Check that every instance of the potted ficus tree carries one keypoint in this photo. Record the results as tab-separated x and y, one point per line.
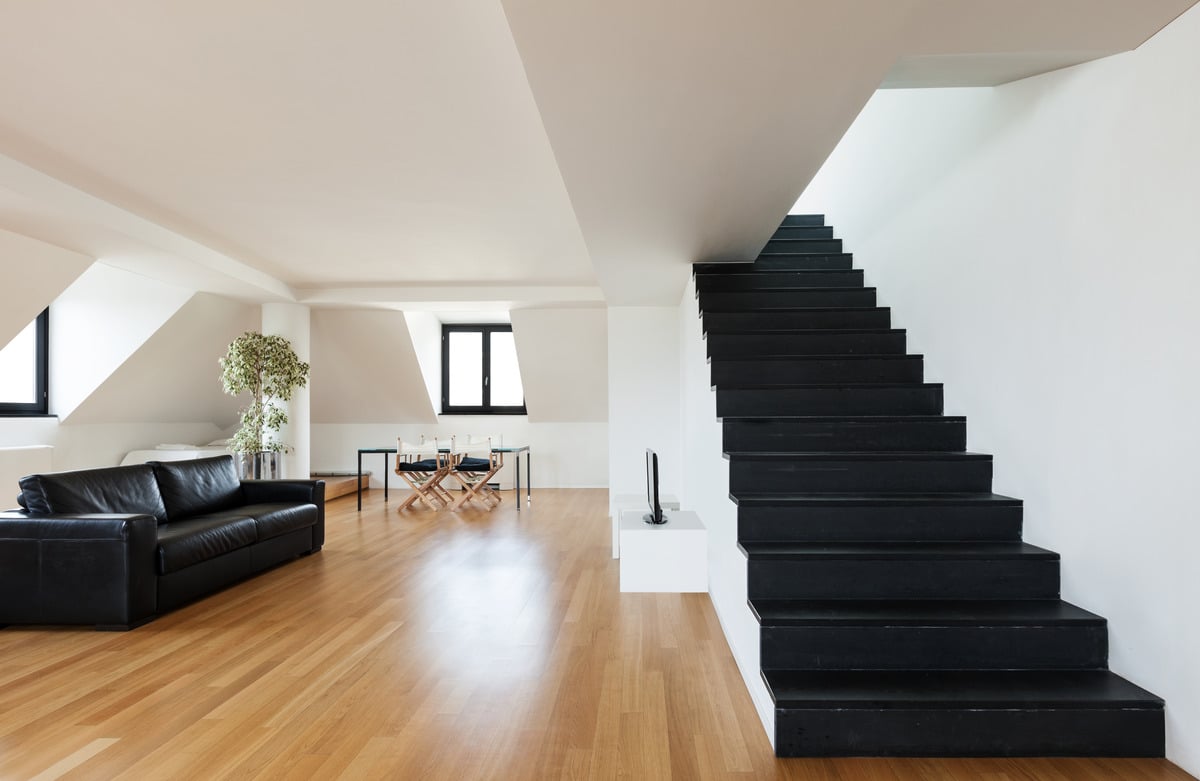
269	370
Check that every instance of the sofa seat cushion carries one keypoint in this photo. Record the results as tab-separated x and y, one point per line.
191	541
198	486
277	519
121	489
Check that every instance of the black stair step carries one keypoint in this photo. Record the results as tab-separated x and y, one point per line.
804	219
834	261
777	280
944	517
893	570
840	472
1030	634
792	298
834	400
803	232
811	341
801	246
959	713
853	433
817	370
791	319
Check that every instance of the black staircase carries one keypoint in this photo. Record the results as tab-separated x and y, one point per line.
900	612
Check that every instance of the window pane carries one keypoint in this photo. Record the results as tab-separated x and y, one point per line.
466	369
18	367
507	390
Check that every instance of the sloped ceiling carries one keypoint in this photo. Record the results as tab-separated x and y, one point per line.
563	355
370	152
174	376
27	293
365	370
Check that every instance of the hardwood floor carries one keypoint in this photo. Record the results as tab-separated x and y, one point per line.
432	646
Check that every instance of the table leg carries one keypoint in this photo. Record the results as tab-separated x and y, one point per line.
385	476
359	483
528	480
517	493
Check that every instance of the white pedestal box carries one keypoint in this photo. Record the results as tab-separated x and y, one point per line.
672	557
623	502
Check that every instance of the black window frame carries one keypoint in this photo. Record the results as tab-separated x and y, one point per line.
41	406
487	408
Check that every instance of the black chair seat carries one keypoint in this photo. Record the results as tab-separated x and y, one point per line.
427	465
474	465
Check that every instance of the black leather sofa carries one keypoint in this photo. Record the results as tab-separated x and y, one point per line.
116	547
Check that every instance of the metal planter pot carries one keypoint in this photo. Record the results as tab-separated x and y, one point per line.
263	465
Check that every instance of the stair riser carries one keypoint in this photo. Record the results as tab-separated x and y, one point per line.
816	343
771	280
915	400
903	579
1032	732
838	261
934	648
816	372
782	262
715	322
792	246
748	301
832	476
862	435
898	524
804	219
804	232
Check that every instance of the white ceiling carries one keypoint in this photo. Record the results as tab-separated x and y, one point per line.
381	153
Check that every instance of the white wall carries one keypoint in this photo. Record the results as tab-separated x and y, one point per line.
643	398
562	455
563	356
364	368
425	330
705	489
171	377
34	273
294	323
1039	242
97	323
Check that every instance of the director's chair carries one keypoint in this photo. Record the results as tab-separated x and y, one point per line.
424	466
474	472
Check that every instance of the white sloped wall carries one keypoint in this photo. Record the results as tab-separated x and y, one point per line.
1039	242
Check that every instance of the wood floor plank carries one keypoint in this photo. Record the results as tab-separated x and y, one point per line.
427	645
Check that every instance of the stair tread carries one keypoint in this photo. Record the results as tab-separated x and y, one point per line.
759	499
811	331
790	385
851	455
784	310
822	357
848	418
956	689
757	274
1007	612
766	309
895	550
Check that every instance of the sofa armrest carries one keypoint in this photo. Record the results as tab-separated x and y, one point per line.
78	569
294	491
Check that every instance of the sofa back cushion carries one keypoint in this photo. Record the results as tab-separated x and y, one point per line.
196	487
119	489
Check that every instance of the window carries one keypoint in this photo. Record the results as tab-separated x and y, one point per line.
480	375
23	370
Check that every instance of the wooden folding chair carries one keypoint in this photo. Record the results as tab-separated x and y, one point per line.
423	467
473	472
